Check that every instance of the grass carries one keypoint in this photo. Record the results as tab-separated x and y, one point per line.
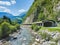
51	28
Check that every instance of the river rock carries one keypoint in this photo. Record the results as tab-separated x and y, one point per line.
48	43
37	40
56	36
58	42
23	44
24	39
0	43
35	43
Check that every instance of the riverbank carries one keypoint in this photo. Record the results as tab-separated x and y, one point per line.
45	37
23	38
30	37
6	41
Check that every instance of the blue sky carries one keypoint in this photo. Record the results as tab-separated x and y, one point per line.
15	7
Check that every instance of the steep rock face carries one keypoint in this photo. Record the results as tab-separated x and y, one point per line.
29	19
45	10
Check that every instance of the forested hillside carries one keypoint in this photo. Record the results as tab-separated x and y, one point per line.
45	10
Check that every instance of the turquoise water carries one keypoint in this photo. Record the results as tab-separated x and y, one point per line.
24	38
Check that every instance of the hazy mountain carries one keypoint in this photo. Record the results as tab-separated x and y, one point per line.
6	14
11	16
18	18
21	15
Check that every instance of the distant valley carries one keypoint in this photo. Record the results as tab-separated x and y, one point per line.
19	18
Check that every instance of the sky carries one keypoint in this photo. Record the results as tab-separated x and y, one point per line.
15	7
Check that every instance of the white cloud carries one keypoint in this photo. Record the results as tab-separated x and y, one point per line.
4	9
13	1
7	10
21	11
7	2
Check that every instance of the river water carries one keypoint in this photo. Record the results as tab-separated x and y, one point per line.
25	38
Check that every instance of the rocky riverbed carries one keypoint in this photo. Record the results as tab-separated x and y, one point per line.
24	37
44	37
29	37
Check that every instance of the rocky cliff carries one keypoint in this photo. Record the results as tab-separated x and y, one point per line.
45	10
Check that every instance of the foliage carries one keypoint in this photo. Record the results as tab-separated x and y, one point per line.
42	17
1	20
13	29
52	29
44	10
6	19
14	23
5	29
45	36
0	33
7	26
35	27
17	26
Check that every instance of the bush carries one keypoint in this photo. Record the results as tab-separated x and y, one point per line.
5	29
14	23
0	33
35	27
17	26
13	29
32	27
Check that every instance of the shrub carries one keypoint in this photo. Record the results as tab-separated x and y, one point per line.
0	33
32	27
12	29
17	26
7	26
14	23
5	29
5	18
35	27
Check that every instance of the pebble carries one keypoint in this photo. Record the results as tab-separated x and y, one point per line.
37	40
24	39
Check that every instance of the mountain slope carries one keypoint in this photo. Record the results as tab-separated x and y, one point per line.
44	10
20	18
22	15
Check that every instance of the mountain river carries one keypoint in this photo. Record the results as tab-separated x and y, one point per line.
25	38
